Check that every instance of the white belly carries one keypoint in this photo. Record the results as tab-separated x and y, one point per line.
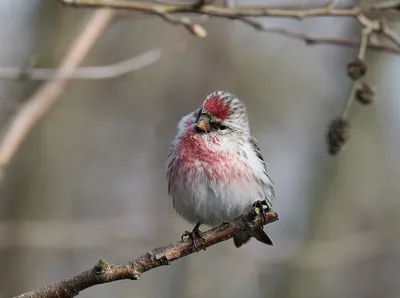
200	198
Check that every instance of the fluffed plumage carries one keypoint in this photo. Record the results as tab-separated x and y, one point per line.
215	167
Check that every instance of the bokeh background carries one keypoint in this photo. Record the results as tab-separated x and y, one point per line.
89	181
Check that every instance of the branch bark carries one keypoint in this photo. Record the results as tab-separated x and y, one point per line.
235	12
103	272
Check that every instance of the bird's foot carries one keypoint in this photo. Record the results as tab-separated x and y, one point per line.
195	233
263	207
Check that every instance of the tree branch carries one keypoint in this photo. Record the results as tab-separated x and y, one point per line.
390	34
103	272
95	72
166	9
314	40
365	34
339	129
236	12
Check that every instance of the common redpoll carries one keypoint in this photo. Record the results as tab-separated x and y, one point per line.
215	168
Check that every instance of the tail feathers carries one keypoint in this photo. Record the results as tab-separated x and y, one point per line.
261	236
244	237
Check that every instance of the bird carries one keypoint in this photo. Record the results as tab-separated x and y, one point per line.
215	169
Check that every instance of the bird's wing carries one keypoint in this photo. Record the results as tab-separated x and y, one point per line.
170	162
256	148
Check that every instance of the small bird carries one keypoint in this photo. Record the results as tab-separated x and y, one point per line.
215	169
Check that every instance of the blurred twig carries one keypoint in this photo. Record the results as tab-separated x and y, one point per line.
194	28
104	273
365	34
390	34
339	129
166	9
314	40
95	72
41	101
236	12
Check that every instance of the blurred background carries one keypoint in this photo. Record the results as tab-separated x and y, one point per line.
89	181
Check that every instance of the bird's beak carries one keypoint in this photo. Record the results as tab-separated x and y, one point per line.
203	125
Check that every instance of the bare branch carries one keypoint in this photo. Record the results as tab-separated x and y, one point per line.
365	34
41	102
102	272
236	12
165	10
95	72
390	4
390	34
339	129
314	40
194	28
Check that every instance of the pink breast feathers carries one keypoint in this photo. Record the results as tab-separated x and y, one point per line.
217	107
195	157
192	147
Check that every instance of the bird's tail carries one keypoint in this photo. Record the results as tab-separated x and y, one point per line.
244	237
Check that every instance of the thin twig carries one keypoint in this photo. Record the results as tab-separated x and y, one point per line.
102	272
95	72
236	12
165	10
390	34
339	128
361	55
194	28
391	4
314	40
42	100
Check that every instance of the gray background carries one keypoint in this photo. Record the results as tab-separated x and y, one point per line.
89	181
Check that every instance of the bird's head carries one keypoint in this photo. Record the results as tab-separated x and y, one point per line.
222	114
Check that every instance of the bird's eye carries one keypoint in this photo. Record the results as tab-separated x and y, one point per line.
222	127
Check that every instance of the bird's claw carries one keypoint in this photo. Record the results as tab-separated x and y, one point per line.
195	233
263	206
